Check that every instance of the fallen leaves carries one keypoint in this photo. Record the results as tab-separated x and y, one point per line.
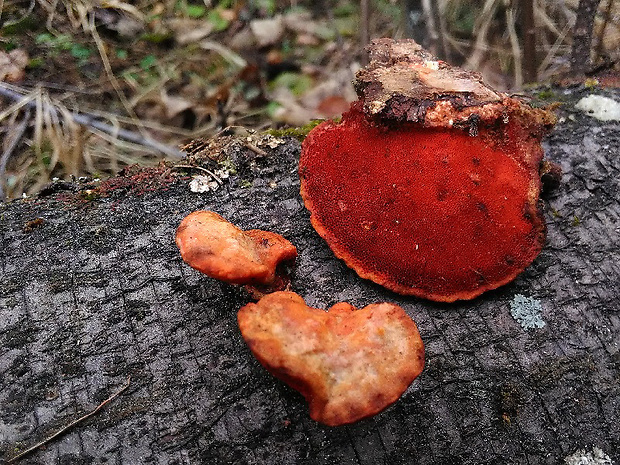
13	65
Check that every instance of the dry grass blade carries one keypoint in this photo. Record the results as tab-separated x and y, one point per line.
18	134
517	55
481	29
66	428
60	138
543	69
110	74
224	52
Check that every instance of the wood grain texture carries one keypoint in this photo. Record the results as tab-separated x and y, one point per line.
97	292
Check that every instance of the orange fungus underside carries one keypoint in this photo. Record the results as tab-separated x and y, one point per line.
430	212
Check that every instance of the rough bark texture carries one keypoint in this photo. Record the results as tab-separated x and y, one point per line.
96	291
582	36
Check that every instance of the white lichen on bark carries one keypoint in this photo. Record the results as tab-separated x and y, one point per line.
527	311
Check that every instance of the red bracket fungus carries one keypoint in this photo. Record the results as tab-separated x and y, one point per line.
222	251
430	183
349	364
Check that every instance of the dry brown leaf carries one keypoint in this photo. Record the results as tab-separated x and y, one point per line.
267	31
300	23
13	65
174	105
188	30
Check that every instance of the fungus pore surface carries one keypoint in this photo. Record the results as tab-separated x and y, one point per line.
434	195
348	363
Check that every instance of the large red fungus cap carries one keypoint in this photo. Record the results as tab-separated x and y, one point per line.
348	363
429	185
222	251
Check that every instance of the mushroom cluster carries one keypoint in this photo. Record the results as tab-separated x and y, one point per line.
429	186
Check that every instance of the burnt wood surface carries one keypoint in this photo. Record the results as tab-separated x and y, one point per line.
95	292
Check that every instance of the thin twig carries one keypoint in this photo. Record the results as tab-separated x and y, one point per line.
209	172
481	28
21	129
91	121
364	26
255	149
71	425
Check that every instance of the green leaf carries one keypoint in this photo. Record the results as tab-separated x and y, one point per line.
148	61
219	24
45	38
9	45
80	52
36	62
297	83
344	9
268	6
22	25
121	54
272	108
195	11
156	37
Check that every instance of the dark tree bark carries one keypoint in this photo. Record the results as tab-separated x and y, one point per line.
530	61
582	37
96	291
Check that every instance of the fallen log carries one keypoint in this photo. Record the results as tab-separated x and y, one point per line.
93	290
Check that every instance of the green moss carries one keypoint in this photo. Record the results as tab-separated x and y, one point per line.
546	94
576	221
591	83
298	133
228	165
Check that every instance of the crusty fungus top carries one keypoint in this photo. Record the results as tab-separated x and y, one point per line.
222	251
430	184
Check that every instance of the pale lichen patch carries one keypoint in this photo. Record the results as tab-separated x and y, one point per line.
527	311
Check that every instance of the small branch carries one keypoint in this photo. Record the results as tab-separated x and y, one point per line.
255	149
516	48
70	425
530	63
89	120
364	26
200	168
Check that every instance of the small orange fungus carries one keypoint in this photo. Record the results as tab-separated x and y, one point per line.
349	364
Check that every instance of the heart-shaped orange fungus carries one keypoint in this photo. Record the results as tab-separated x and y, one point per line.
348	363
